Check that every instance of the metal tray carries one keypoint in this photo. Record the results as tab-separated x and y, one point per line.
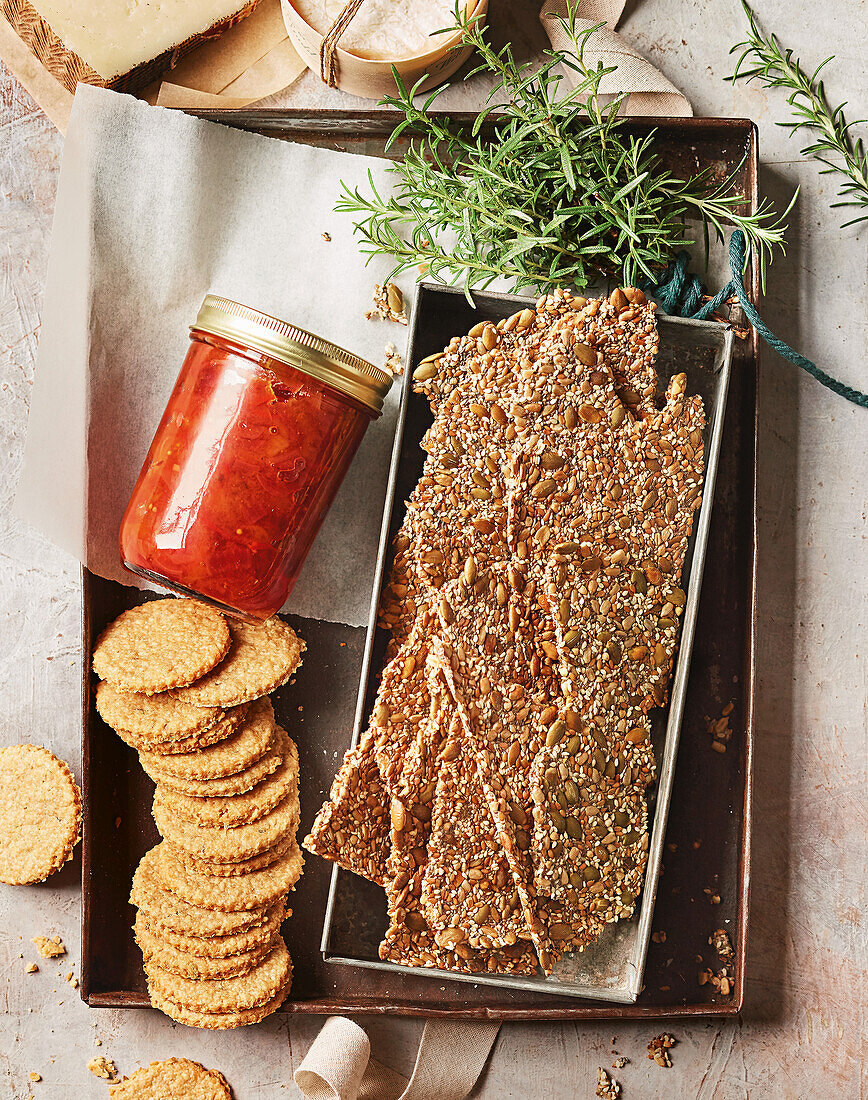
611	969
708	832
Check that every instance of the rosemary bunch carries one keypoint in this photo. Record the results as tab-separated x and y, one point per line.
558	196
777	68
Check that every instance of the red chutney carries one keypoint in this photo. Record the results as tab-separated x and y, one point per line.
247	459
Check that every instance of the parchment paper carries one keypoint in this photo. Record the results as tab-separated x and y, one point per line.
154	210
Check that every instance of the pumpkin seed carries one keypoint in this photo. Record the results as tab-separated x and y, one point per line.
585	354
426	370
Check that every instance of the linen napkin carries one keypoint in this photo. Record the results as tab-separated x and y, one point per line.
450	1059
650	93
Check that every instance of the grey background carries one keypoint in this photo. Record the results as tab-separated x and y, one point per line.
801	1032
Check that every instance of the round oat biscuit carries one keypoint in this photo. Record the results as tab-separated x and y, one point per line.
262	657
217	947
230	893
165	909
40	814
159	952
238	809
226	785
257	987
174	1079
216	844
211	735
161	644
159	717
218	1021
242	866
249	742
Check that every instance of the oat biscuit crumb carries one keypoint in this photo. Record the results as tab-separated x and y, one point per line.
326	237
659	937
658	1049
620	1062
103	1067
35	1076
32	968
607	1087
720	941
49	948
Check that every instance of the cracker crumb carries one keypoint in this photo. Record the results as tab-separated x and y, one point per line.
394	363
388	305
712	895
719	729
658	1049
49	948
607	1087
35	1076
97	1042
326	236
620	1061
659	937
32	968
102	1067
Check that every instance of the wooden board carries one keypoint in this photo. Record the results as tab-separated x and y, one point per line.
709	821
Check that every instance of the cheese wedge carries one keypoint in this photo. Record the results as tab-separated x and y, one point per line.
118	43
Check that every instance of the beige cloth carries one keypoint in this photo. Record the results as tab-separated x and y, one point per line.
650	93
451	1055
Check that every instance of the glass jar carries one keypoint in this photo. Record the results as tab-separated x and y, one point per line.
258	433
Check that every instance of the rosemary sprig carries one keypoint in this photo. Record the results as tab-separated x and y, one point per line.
776	67
559	196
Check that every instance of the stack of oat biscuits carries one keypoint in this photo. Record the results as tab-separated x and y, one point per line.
534	605
188	689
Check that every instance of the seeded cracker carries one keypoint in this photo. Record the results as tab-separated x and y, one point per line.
165	909
160	645
158	717
468	885
251	739
215	844
409	939
402	709
495	673
157	952
238	809
261	658
257	987
216	947
172	1080
40	814
351	829
229	893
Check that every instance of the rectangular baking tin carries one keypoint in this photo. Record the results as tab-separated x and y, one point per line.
613	968
708	836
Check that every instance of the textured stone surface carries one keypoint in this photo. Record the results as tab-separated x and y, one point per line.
801	1032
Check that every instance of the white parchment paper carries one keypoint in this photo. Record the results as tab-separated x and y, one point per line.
154	210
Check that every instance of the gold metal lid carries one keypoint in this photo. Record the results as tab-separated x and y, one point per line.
326	362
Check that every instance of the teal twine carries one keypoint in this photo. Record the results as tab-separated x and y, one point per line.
681	293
